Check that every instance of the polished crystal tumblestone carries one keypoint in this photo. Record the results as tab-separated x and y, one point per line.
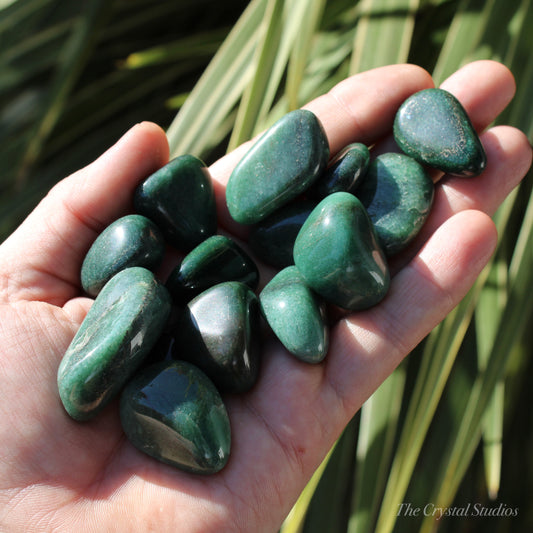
219	331
173	412
397	193
180	199
272	239
344	173
118	332
296	315
283	163
132	240
214	261
338	254
433	127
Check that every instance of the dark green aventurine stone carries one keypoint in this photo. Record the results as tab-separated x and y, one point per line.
120	329
344	173
132	240
180	199
284	162
214	261
432	127
219	332
173	412
296	315
338	254
397	193
272	239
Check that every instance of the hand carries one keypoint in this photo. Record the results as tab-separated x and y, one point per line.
60	475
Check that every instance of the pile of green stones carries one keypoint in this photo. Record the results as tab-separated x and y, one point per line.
168	351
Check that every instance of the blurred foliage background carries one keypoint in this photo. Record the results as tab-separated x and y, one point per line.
453	425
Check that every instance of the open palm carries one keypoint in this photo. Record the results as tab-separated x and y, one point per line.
60	475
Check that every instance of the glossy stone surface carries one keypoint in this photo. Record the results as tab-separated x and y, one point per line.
432	127
132	240
173	412
219	332
118	332
338	254
397	193
296	315
180	199
344	173
272	239
284	162
215	260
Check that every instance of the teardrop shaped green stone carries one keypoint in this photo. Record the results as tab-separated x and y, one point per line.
173	412
433	127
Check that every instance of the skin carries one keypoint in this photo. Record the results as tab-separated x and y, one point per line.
60	475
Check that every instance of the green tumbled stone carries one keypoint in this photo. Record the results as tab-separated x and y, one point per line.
118	332
173	412
214	261
296	315
130	241
344	173
397	193
272	239
284	162
180	199
219	332
432	127
338	254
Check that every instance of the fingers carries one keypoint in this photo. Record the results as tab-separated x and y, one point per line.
367	346
60	230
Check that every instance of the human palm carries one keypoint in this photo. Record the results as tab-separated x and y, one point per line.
60	475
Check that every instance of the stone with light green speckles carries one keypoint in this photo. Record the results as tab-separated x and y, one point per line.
296	315
118	332
338	254
283	163
397	193
173	412
433	127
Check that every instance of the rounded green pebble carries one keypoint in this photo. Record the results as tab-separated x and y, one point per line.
296	315
338	254
173	412
132	240
216	260
283	163
118	332
433	127
397	193
180	199
220	332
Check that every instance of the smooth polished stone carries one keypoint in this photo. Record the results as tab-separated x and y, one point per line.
397	193
296	315
283	163
132	240
180	199
173	412
272	239
118	332
344	173
219	332
214	261
338	254
432	127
